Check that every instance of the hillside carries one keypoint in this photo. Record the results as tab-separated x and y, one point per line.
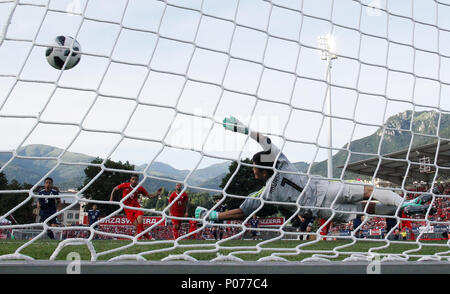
30	171
67	176
397	137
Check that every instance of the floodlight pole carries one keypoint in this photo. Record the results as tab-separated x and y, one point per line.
327	47
330	125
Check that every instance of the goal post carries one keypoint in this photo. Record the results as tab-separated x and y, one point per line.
153	85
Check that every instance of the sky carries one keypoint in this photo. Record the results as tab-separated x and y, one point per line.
165	74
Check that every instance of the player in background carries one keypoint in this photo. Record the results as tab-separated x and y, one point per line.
254	223
179	208
93	216
390	224
355	223
192	228
286	184
133	215
49	206
305	225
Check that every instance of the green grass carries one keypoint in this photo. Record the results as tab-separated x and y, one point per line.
42	250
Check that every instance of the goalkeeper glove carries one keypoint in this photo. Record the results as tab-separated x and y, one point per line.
201	211
233	124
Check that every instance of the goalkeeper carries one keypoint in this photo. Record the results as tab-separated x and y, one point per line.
317	195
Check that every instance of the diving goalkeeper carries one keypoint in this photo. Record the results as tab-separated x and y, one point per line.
317	194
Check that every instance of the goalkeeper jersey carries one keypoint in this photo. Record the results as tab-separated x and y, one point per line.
287	187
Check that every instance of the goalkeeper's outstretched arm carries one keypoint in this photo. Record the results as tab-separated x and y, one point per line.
233	214
247	207
233	124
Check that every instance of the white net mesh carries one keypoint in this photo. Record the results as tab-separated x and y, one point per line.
156	79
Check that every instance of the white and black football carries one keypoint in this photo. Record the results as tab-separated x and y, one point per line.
56	57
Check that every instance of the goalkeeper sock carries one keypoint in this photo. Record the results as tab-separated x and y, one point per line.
387	197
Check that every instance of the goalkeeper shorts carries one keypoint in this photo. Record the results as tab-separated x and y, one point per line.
347	202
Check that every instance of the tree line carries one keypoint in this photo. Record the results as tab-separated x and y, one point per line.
22	215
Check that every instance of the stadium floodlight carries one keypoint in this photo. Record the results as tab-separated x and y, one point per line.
327	45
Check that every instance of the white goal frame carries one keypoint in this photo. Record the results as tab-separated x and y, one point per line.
281	255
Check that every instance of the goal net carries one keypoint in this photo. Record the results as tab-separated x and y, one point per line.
352	92
24	234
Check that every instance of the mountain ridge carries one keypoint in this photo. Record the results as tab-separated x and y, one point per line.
32	170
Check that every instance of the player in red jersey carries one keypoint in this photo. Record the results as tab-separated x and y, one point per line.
178	209
193	227
134	216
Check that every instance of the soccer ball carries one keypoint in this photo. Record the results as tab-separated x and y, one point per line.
56	57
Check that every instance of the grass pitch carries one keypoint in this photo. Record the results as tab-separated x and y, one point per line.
248	250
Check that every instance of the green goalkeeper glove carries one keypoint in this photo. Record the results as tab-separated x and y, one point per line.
233	124
201	211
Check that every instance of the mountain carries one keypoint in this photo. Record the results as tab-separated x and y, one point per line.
68	176
206	176
200	177
302	166
397	136
213	183
161	169
31	170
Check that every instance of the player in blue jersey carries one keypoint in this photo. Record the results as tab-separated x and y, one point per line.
254	223
93	216
48	206
315	196
305	225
